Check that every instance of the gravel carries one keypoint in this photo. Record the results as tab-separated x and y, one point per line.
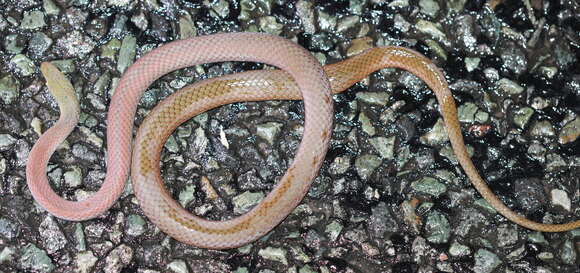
390	196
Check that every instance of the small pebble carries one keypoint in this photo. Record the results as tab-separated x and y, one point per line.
560	198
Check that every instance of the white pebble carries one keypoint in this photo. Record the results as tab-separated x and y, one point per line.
560	198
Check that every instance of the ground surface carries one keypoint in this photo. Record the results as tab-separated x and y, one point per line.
390	196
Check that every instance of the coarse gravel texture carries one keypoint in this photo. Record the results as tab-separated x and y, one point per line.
390	196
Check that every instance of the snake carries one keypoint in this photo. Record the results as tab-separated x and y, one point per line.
299	77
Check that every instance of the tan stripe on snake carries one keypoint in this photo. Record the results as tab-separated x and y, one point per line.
155	200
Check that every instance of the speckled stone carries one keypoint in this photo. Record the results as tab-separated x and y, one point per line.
136	225
50	7
358	46
381	222
378	98
79	237
270	25
9	89
429	7
178	266
340	165
126	53
23	64
471	63
140	20
9	229
510	87
347	22
269	131
366	124
74	44
2	165
429	185
85	261
305	11
7	254
437	227
32	20
13	44
333	230
522	116
39	43
437	135
187	28
53	238
118	258
466	112
35	259
109	49
326	21
241	270
507	235
432	30
245	201
560	198
366	165
568	253
118	3
6	142
401	24
570	131
458	250
514	59
384	146
274	254
486	261
542	129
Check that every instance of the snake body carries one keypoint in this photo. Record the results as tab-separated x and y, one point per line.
300	77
